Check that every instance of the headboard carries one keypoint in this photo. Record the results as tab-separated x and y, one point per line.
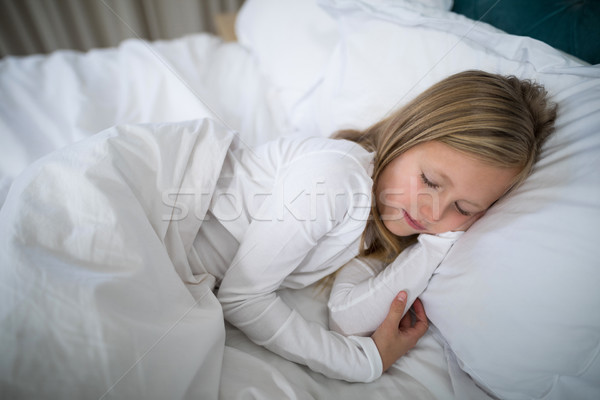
572	26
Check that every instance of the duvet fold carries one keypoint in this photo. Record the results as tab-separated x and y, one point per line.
97	296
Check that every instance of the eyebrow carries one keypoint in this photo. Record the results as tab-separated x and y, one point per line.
445	177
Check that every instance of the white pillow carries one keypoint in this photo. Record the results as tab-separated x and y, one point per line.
291	41
440	4
389	53
517	297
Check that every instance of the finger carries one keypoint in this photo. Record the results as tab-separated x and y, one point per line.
421	324
419	310
419	329
414	333
406	321
394	315
416	311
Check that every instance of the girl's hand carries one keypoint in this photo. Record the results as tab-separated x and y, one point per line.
397	335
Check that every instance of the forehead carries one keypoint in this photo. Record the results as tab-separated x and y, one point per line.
470	178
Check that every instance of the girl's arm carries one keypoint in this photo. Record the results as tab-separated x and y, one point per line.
364	288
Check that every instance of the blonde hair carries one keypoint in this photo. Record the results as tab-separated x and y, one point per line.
500	120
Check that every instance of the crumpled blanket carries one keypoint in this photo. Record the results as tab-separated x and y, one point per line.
97	299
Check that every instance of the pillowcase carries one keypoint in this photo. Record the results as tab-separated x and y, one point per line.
291	41
390	52
517	296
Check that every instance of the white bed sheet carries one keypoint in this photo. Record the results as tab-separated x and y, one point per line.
49	102
429	371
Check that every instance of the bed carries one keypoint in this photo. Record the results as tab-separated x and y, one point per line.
513	308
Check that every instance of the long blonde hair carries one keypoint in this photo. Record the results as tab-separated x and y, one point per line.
501	120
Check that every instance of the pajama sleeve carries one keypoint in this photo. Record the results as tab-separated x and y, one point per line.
364	288
289	224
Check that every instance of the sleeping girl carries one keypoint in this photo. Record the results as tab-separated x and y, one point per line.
293	211
99	250
440	163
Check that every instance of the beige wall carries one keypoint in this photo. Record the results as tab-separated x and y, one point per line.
41	26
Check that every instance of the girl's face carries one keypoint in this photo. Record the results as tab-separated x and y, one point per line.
432	188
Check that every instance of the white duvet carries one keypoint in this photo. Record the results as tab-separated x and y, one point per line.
49	101
97	296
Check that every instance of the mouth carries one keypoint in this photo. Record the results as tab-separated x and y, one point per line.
414	224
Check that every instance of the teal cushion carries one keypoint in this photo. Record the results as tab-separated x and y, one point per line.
572	26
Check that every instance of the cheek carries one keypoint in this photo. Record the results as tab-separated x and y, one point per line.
389	207
453	221
390	198
409	194
393	192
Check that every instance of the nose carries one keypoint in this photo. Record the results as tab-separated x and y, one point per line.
431	207
429	214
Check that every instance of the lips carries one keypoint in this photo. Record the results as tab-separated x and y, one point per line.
414	224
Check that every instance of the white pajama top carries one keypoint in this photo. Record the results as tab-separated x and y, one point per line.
287	214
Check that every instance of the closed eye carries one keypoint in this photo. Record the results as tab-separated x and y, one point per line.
432	185
428	182
461	211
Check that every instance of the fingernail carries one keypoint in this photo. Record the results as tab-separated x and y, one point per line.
402	296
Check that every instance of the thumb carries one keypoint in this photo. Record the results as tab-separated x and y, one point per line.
397	309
